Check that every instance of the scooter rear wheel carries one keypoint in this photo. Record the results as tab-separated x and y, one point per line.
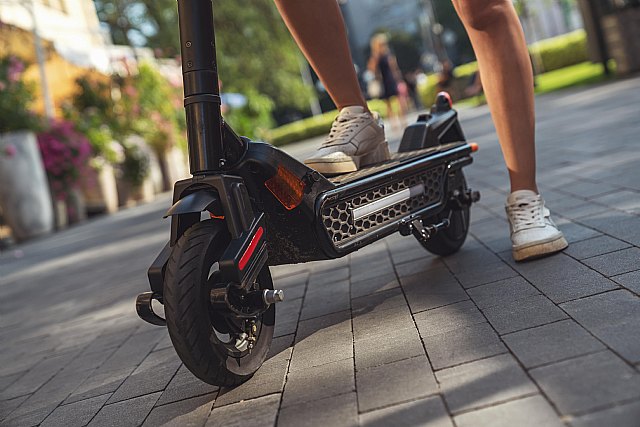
451	239
203	338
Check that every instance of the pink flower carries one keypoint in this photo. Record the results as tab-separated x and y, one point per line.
3	85
10	150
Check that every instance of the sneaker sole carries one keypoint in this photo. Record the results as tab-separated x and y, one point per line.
540	250
338	167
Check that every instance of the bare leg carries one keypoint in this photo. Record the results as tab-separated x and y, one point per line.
505	67
328	54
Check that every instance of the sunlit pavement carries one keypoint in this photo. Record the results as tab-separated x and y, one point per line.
388	336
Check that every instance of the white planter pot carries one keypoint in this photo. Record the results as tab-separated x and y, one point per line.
24	190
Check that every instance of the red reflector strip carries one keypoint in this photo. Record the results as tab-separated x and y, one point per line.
252	247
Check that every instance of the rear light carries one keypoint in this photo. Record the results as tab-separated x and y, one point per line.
474	146
286	187
246	256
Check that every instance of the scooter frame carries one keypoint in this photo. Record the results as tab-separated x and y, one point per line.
272	204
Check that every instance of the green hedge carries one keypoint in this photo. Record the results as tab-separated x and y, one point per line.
554	53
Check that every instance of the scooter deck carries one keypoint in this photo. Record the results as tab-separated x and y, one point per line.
371	203
396	160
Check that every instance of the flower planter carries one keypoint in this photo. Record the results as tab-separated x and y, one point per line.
24	192
100	190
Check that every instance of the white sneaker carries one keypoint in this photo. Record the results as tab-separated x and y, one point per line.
356	140
533	233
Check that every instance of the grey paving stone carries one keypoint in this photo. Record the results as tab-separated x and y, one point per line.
328	276
40	404
332	298
588	382
494	234
625	200
186	413
588	189
375	322
575	232
618	416
75	414
7	380
39	375
164	343
280	344
328	380
126	413
484	382
334	347
472	258
260	412
485	273
269	379
620	225
502	292
370	286
335	324
386	348
613	317
463	345
533	411
448	318
402	381
378	302
118	367
7	406
551	343
434	288
523	313
630	281
416	266
184	385
343	412
424	412
367	269
153	374
561	278
615	263
287	316
594	247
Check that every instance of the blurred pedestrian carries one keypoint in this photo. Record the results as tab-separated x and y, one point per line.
385	66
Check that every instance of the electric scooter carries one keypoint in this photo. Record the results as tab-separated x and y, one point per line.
249	206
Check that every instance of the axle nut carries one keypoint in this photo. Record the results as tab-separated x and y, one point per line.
273	296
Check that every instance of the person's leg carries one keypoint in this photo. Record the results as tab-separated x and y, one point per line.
319	30
357	136
507	78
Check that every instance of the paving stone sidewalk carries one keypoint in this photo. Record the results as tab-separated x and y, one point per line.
389	335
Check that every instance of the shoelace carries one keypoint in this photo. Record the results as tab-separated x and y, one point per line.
343	127
527	213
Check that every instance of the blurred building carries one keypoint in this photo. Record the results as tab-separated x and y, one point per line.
72	27
543	19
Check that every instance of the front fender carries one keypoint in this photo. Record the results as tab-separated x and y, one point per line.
195	202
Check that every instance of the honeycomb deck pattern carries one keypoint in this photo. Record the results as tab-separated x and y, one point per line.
338	216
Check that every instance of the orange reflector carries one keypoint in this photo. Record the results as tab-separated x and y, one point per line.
286	187
251	249
216	216
474	146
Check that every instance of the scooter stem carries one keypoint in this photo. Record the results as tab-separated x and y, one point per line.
201	87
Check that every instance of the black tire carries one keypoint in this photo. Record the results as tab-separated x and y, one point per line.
195	329
451	239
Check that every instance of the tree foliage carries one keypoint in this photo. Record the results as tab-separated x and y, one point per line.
256	54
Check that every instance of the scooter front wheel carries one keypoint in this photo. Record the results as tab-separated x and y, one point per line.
210	343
